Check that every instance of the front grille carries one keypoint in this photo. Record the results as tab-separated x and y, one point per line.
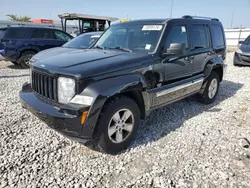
245	58
45	85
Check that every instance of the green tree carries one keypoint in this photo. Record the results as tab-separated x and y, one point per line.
13	17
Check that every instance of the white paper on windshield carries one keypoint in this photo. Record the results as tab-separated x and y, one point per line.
148	46
183	29
152	28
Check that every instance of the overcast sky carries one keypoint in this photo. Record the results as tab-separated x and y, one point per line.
134	9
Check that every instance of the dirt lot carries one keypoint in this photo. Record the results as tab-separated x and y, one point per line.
186	144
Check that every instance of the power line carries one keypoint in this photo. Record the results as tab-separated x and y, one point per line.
232	20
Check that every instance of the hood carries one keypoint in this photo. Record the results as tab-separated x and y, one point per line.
92	62
245	49
52	52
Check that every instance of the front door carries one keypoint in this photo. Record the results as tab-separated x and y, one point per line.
177	67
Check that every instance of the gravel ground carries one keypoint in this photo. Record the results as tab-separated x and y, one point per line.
186	144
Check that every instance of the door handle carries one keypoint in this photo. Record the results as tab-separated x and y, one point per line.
210	53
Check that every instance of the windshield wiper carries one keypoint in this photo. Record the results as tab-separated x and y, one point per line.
123	49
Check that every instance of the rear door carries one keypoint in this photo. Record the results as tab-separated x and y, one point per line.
13	40
200	46
44	38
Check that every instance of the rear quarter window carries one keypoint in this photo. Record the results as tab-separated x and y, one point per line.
2	32
217	36
17	33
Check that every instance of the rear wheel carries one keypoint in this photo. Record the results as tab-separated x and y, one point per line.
117	125
211	90
24	60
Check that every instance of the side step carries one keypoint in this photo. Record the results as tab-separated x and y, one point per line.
176	91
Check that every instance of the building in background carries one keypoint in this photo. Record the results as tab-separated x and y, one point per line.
43	21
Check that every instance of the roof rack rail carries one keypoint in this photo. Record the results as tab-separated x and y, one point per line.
199	17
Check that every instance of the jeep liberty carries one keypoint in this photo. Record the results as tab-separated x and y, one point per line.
100	94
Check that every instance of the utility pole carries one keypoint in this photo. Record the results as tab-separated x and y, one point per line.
171	8
232	20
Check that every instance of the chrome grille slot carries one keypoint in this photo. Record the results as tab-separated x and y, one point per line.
45	85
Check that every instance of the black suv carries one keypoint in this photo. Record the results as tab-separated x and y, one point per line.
100	95
19	43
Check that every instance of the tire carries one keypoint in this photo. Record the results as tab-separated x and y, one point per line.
110	143
14	62
25	57
211	90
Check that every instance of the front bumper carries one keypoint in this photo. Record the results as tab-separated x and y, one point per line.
66	119
240	59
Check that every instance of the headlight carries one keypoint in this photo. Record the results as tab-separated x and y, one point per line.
66	89
239	51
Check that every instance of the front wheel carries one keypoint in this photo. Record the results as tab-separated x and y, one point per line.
118	124
24	60
211	90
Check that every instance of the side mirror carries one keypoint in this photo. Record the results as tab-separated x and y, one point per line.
176	49
240	42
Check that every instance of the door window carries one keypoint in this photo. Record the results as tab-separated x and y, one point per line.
178	34
17	33
42	34
199	36
61	36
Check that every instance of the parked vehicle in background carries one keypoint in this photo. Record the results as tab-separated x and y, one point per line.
75	33
85	30
19	43
100	95
83	41
86	23
242	55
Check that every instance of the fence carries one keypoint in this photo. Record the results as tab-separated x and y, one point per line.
233	36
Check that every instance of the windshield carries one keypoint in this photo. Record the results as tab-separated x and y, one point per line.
80	42
136	38
247	41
